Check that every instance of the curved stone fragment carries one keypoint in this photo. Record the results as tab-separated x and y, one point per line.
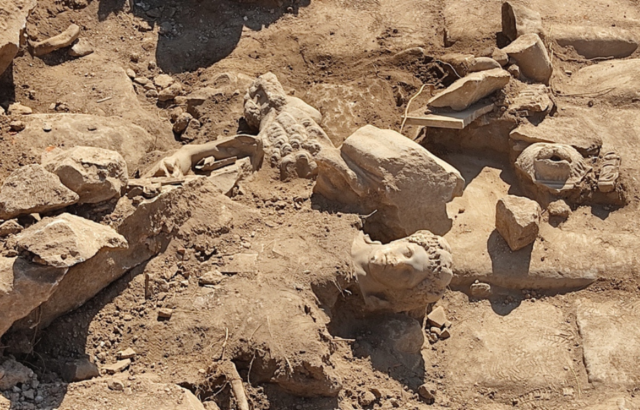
554	167
468	90
67	240
32	189
95	174
64	39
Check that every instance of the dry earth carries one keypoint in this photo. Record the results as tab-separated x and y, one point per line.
559	330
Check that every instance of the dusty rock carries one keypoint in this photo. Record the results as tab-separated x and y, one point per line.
515	72
437	317
480	290
116	385
533	99
19	109
370	161
32	189
518	20
67	240
71	130
212	277
95	174
483	64
130	73
97	395
596	42
467	90
532	57
404	334
518	220
10	227
367	398
17	126
170	92
163	81
181	122
559	209
78	370
13	373
13	19
64	39
81	48
445	334
126	354
428	391
576	130
165	313
117	367
616	81
23	287
500	56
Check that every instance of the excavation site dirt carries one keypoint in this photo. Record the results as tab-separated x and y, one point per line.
319	204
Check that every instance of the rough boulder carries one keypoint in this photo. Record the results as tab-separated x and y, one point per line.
13	18
518	221
32	189
95	174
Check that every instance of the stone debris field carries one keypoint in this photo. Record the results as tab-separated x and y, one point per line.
318	205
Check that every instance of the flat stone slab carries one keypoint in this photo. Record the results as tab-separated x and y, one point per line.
449	119
595	42
611	341
518	351
616	81
470	89
575	128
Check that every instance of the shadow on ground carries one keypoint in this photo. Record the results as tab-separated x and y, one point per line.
198	33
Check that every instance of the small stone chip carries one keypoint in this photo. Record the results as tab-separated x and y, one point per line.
437	317
165	313
117	367
126	354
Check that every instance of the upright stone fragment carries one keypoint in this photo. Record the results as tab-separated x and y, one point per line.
519	20
67	240
532	57
517	220
32	189
13	18
95	174
467	90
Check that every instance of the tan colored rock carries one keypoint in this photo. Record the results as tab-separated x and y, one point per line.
170	92
67	240
126	354
78	370
23	287
81	48
575	131
32	189
19	109
500	56
165	313
117	367
437	317
213	277
559	209
404	334
518	20
13	19
428	391
533	99
163	81
382	170
71	130
468	90
96	395
483	64
596	42
95	174
10	227
518	221
64	39
532	57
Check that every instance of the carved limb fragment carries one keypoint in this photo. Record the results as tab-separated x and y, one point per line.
180	163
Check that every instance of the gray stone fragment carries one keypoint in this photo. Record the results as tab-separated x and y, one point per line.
13	18
468	90
519	20
532	57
